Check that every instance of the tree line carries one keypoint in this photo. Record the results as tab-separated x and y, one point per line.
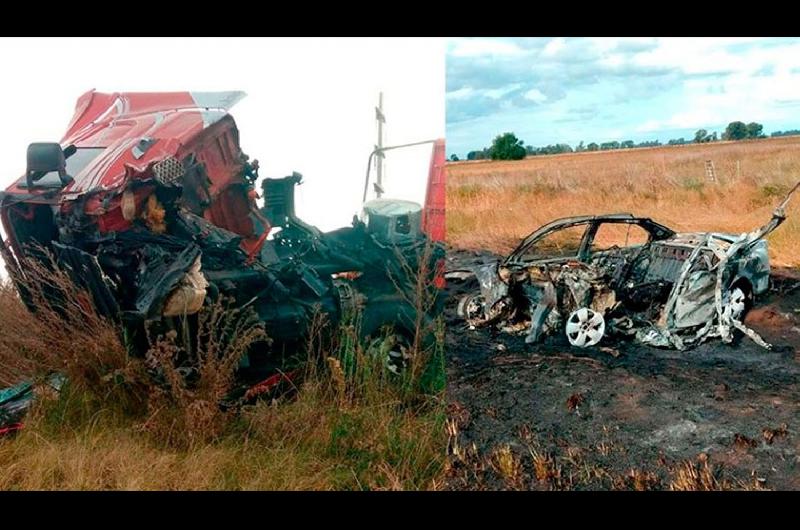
507	146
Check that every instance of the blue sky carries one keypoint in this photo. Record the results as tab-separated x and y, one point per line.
551	90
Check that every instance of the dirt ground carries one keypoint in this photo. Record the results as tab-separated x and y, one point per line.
621	415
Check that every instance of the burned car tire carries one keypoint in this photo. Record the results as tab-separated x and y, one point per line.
471	308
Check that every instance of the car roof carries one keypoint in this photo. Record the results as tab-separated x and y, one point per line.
579	219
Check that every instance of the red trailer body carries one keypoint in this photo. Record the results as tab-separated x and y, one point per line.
433	214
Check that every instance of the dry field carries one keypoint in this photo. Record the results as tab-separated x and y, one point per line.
492	205
548	416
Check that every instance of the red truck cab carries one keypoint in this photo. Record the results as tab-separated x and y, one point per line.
116	143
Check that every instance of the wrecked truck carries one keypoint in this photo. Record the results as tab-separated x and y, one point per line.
150	205
594	276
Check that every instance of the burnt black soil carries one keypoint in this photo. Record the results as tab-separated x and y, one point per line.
622	415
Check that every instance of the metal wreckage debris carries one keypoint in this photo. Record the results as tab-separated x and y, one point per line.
670	290
150	205
16	400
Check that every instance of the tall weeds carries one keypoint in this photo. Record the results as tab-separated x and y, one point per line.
64	334
157	422
188	409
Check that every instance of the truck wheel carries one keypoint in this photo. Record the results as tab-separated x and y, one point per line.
399	354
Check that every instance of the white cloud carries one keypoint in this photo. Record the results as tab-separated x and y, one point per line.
700	55
462	93
535	95
613	60
497	93
467	92
745	98
554	46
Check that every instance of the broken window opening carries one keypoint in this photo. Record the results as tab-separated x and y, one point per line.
559	244
618	235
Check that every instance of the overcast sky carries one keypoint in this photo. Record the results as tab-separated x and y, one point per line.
309	108
564	90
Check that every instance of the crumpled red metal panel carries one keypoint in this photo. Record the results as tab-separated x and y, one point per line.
433	214
99	106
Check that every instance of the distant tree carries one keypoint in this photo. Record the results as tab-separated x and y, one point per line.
701	136
713	137
507	146
627	144
755	130
580	147
454	157
736	130
676	141
592	147
651	143
792	132
609	145
482	154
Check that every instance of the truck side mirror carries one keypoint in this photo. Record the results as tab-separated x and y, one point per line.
43	158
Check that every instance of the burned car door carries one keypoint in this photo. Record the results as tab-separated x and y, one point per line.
532	270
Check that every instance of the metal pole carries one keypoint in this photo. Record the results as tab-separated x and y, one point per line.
380	152
379	147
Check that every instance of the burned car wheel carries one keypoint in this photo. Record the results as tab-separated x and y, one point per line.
739	301
471	308
585	327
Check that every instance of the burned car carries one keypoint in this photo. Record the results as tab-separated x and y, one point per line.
150	204
617	274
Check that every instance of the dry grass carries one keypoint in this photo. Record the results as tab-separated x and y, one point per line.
65	335
349	425
566	466
508	465
643	480
492	205
307	443
697	476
